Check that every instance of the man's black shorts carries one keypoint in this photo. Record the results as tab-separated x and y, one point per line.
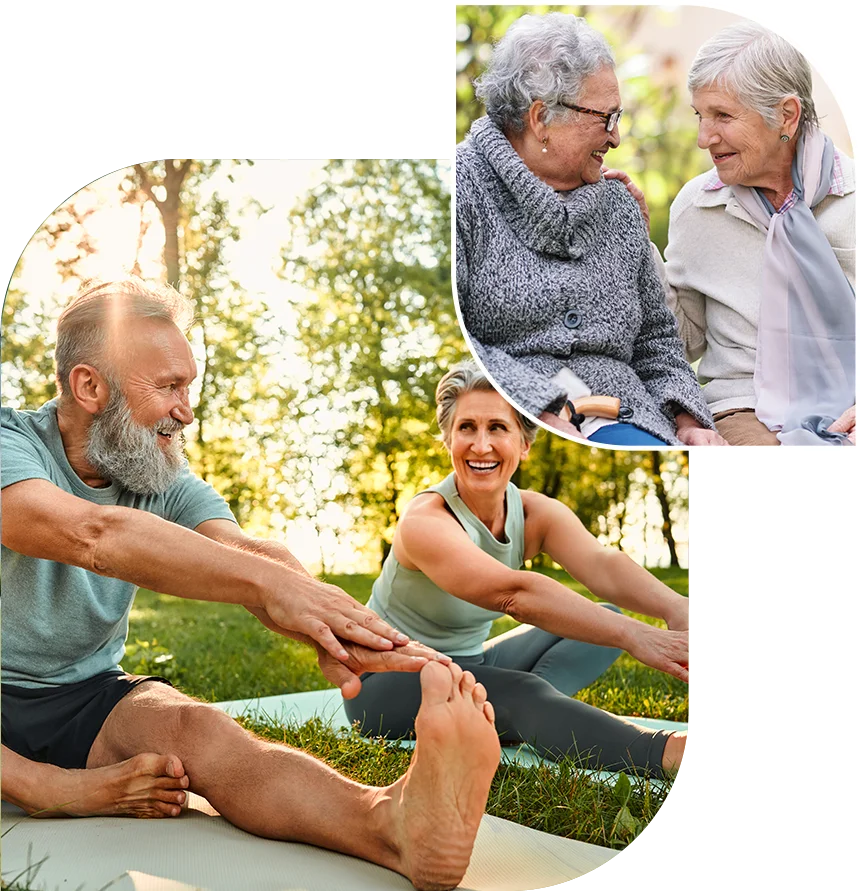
59	724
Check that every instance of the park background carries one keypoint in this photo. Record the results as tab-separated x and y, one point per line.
324	320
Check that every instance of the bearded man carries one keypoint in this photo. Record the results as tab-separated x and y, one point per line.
98	499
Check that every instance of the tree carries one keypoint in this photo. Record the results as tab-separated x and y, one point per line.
371	244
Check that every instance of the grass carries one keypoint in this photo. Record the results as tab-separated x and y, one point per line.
220	652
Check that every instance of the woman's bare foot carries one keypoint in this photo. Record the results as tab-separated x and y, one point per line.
674	751
439	802
147	785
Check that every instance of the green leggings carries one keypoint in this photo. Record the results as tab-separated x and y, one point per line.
530	676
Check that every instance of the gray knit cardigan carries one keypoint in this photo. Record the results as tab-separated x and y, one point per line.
545	282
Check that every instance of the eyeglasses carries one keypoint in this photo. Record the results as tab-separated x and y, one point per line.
610	118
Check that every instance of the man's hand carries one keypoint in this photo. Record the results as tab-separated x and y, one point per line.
634	190
692	433
345	675
327	615
665	650
411	656
845	423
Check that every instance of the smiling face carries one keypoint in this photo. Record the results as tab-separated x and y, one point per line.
577	144
485	441
136	440
744	149
156	368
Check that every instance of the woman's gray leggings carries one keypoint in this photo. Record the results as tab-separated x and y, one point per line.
530	676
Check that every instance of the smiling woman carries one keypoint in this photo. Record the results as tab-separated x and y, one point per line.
760	262
555	278
456	565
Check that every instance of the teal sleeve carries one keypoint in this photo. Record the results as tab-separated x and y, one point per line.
191	501
21	459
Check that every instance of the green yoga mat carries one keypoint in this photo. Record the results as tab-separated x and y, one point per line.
327	705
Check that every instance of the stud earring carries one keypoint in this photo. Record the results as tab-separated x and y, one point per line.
544	145
785	137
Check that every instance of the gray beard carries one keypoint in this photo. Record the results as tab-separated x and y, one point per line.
125	453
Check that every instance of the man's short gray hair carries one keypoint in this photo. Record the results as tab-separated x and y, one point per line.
544	57
99	311
467	378
759	68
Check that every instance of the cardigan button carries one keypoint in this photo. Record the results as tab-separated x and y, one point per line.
625	412
572	319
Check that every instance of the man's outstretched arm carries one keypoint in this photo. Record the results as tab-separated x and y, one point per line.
345	675
153	553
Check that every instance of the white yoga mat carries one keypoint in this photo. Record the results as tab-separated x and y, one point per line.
199	850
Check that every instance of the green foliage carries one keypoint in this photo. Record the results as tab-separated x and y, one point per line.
371	244
658	129
28	359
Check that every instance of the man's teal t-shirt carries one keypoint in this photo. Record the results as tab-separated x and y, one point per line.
63	624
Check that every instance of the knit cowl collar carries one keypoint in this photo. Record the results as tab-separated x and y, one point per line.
534	211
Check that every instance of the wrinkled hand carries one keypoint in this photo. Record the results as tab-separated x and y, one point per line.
328	616
845	424
665	650
557	423
633	189
345	675
691	432
411	656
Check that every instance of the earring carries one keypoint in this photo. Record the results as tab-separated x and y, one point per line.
544	144
785	137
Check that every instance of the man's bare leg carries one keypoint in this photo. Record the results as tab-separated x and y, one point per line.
422	826
147	785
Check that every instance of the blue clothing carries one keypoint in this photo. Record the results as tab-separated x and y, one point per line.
63	624
624	434
409	600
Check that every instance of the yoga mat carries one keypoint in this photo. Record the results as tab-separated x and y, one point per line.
200	850
328	706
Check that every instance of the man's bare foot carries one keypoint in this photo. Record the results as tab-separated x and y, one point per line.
674	751
147	785
439	802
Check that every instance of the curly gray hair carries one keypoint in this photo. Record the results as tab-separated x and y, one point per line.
758	67
97	312
544	57
467	378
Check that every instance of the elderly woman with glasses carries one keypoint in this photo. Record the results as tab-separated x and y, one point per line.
760	262
555	279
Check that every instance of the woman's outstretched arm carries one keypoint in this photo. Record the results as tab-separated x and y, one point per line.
432	541
607	573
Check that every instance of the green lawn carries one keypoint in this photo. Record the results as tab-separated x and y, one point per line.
218	652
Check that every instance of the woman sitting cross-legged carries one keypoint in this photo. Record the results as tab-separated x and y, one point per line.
455	566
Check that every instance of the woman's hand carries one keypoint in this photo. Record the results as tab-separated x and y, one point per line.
557	423
665	650
633	189
692	433
678	618
410	657
845	424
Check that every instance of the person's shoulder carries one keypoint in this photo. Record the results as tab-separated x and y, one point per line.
623	210
25	420
690	192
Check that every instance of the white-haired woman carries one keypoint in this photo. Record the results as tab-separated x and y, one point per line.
555	278
760	260
455	566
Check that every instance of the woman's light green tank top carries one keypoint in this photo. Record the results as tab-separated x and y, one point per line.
407	599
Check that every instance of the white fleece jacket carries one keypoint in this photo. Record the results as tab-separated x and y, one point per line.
712	276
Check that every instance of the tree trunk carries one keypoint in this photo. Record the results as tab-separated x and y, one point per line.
664	507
